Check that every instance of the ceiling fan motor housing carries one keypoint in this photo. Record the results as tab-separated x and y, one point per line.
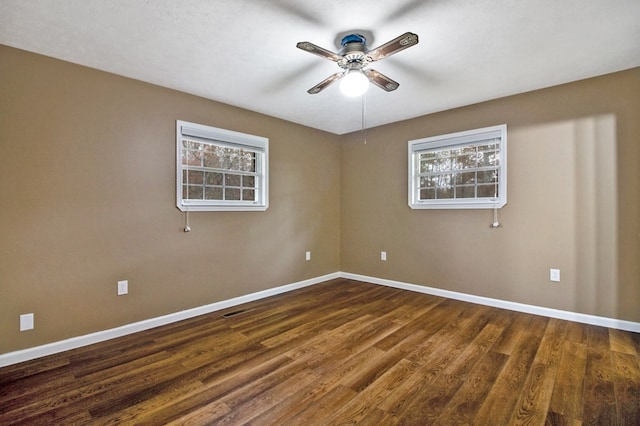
353	38
353	52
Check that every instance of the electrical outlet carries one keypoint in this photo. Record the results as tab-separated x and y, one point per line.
554	275
307	255
383	255
26	322
123	287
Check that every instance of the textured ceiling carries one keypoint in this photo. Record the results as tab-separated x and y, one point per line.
242	52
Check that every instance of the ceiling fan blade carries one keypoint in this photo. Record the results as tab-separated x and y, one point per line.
297	12
325	83
381	80
394	46
317	50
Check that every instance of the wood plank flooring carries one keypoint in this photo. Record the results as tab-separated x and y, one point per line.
341	352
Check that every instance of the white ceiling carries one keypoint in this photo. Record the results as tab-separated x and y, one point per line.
242	52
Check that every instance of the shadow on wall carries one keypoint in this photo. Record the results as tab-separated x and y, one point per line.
563	206
596	215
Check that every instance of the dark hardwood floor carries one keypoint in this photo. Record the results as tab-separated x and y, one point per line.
342	352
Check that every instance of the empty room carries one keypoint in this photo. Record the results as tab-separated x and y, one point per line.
320	213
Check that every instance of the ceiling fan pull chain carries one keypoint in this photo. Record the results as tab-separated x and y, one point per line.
364	112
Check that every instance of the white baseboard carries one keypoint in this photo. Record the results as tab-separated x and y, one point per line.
100	336
504	304
89	339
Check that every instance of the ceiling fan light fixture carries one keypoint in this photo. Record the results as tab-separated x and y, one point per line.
354	83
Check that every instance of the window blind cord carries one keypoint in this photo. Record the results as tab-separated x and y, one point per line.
187	226
495	223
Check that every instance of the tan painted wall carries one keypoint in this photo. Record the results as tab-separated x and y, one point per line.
573	203
87	183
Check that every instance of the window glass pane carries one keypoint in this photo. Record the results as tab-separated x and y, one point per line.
191	158
232	194
444	192
234	159
486	159
465	178
194	192
427	155
427	181
426	166
467	150
248	194
494	158
232	180
213	193
466	161
187	144
488	176
442	164
444	181
194	177
486	147
214	178
428	194
467	191
248	162
213	159
249	181
487	191
225	162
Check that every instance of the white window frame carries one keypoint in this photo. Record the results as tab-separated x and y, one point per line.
226	138
454	141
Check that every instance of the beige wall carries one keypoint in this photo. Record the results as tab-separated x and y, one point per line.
573	203
87	183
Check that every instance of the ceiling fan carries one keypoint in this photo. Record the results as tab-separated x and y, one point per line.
354	57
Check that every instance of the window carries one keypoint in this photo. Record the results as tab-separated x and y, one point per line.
465	170
219	169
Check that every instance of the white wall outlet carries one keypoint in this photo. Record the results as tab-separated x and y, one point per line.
123	287
554	275
307	255
26	322
383	255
